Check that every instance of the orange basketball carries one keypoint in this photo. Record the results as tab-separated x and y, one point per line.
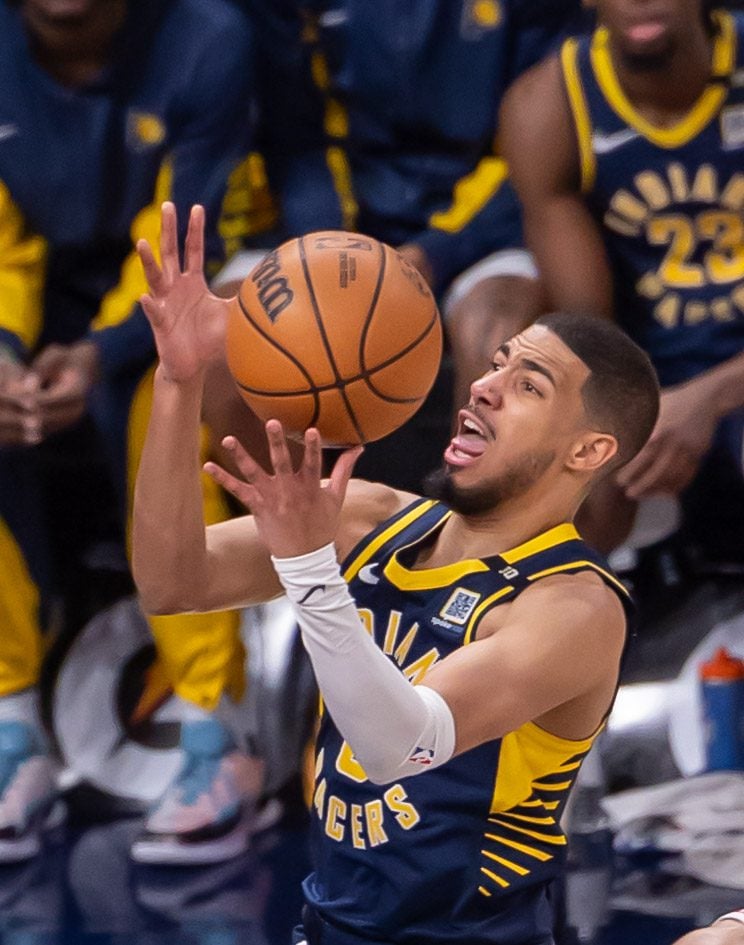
336	331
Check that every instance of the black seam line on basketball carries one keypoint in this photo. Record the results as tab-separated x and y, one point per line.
324	339
365	376
297	363
401	354
372	306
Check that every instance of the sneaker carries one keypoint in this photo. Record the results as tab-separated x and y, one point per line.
205	816
28	790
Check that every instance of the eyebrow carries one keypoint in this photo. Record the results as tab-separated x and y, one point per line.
527	363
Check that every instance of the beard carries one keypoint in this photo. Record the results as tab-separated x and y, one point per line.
478	500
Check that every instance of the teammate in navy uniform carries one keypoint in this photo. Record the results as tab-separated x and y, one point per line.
634	209
107	107
466	678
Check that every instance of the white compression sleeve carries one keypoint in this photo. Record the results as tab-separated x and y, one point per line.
395	729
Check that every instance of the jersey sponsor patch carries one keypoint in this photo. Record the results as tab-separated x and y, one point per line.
732	127
459	606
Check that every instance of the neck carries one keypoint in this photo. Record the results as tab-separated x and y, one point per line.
512	523
663	94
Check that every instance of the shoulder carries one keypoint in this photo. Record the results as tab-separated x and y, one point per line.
580	604
535	118
582	598
367	505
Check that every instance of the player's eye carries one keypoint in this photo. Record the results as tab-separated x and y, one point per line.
530	388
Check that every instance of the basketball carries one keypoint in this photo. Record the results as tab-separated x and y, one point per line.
337	331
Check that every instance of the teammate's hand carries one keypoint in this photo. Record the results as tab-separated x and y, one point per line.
295	511
20	423
415	255
188	321
66	373
682	436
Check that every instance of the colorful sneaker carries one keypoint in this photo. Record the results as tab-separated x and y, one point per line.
205	816
28	790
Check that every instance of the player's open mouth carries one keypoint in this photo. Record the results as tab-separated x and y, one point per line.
469	443
646	32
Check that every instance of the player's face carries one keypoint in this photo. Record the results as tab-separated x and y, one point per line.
523	418
648	32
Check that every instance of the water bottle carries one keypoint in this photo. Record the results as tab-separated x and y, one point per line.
722	684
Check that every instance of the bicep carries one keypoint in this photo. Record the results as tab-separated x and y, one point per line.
559	643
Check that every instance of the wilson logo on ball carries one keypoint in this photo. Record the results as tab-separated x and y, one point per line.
273	291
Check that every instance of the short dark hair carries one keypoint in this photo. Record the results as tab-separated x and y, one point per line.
621	394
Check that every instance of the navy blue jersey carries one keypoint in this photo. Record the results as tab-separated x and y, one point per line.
669	202
410	95
83	170
465	852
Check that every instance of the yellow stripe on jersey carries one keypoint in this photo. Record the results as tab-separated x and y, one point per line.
580	112
22	273
582	565
117	304
536	854
497	879
551	538
429	578
702	112
20	660
555	839
528	755
368	551
471	194
514	867
248	207
484	605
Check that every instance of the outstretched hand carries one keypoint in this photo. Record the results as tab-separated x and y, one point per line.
295	511
187	320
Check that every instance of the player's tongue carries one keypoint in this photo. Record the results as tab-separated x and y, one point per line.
464	449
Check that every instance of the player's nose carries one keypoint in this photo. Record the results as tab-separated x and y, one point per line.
488	389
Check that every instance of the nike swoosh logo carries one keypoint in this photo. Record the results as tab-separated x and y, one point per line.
8	131
605	143
309	594
367	574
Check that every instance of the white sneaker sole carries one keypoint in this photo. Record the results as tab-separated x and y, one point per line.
168	851
29	846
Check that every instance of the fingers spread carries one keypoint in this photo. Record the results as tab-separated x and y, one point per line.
194	248
278	449
169	240
153	273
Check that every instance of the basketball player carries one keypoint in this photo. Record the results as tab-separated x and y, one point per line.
105	107
634	209
468	675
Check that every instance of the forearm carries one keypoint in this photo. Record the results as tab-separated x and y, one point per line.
169	556
724	385
395	729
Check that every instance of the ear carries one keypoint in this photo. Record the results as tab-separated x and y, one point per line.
592	452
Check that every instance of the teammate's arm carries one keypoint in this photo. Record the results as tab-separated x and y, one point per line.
539	142
688	418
